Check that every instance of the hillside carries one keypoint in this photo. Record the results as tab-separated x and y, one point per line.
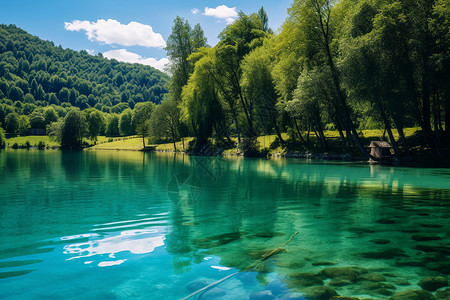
36	73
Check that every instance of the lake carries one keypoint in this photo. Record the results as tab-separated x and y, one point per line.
132	225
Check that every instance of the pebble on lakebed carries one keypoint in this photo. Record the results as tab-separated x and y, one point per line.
433	283
413	295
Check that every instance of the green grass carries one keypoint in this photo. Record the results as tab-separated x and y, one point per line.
265	141
169	146
33	139
119	143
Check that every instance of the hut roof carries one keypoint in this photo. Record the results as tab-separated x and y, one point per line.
379	144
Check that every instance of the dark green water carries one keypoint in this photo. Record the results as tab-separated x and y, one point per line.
129	225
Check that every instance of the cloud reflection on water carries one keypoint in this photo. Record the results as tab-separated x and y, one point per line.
135	241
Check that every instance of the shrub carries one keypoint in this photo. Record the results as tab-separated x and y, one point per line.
15	146
27	145
249	146
41	145
2	139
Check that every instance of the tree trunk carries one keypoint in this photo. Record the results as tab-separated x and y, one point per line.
143	140
426	114
387	126
298	131
322	137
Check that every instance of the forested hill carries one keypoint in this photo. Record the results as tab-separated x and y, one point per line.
37	73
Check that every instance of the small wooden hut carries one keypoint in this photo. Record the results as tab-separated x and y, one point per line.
380	150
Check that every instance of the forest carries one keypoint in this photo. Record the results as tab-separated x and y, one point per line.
40	83
342	65
334	65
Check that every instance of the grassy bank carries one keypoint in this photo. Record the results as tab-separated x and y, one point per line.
267	143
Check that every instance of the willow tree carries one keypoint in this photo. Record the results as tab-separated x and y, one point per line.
201	106
258	86
182	42
316	20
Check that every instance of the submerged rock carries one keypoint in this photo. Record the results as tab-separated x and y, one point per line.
431	225
293	296
442	266
323	263
361	231
374	277
370	286
386	221
413	295
213	293
344	298
263	295
444	295
385	254
401	281
319	293
339	282
305	279
290	264
409	263
345	273
433	283
434	248
196	285
425	238
268	234
380	241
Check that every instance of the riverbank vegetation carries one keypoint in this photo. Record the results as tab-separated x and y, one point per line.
334	70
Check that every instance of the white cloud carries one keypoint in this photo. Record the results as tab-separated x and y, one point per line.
130	57
222	12
194	11
90	51
113	32
229	20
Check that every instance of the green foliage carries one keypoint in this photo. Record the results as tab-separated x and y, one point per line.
50	115
24	125
96	124
35	71
164	121
12	123
73	129
2	139
182	42
112	127
126	125
141	116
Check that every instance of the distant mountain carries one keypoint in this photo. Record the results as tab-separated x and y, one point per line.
36	73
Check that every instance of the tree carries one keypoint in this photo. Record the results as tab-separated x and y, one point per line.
24	124
264	19
37	120
141	116
258	85
201	105
112	127
2	139
318	25
12	122
16	94
126	124
164	121
96	124
182	42
73	129
50	115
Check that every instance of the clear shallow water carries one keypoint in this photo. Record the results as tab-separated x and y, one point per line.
128	225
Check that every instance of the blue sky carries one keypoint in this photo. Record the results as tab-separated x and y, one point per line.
130	30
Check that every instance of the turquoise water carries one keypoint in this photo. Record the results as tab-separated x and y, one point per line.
131	225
